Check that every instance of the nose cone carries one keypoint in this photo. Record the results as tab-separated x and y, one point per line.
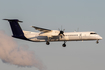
100	38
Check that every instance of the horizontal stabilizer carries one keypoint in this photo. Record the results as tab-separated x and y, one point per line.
13	20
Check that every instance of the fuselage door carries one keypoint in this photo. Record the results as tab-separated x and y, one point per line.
80	36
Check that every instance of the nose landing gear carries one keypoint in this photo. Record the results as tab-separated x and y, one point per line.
97	41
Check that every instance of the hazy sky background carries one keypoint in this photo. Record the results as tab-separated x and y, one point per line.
87	15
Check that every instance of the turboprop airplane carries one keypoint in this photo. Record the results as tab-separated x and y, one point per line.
47	35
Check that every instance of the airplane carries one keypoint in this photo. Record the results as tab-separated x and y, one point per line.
47	35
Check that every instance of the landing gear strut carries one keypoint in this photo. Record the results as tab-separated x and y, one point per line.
97	41
64	45
47	42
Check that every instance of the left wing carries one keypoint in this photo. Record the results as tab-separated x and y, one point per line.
42	29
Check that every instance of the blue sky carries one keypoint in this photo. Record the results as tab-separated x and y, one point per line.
87	15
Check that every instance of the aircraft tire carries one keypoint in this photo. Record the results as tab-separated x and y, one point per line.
47	43
64	45
97	41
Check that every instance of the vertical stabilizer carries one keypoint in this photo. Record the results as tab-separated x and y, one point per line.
16	29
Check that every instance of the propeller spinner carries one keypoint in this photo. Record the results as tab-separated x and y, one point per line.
61	33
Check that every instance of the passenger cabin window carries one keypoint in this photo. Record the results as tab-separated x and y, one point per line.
93	33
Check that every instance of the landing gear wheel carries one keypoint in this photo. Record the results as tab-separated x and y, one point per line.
64	45
47	43
97	41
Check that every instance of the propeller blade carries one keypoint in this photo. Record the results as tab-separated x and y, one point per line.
58	29
61	32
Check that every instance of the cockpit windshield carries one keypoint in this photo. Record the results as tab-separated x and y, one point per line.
93	33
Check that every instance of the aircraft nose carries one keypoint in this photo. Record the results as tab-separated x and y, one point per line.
100	37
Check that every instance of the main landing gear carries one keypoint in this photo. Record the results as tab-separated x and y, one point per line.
64	44
47	43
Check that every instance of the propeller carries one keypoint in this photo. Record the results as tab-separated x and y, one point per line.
61	33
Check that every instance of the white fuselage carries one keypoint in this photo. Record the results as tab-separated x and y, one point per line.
69	36
47	35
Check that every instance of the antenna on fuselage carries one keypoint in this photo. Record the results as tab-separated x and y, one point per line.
77	30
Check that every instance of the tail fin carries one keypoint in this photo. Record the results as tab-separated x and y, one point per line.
16	29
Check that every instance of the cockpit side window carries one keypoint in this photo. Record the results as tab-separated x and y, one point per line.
93	33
